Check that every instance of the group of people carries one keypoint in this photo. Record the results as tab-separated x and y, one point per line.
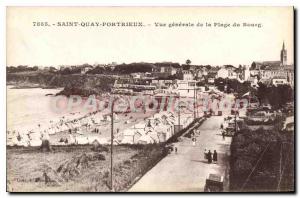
211	157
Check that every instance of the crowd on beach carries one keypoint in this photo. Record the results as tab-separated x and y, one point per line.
75	128
85	129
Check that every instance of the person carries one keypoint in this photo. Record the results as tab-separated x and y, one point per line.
215	156
223	135
194	141
209	158
222	126
175	150
205	154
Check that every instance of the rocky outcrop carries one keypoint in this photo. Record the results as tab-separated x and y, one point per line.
79	84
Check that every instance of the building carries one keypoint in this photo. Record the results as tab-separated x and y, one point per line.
85	68
279	81
227	71
283	55
244	75
165	69
274	72
201	73
187	75
186	88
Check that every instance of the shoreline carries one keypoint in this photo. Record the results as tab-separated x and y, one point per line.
16	85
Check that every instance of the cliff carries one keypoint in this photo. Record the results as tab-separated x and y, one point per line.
80	84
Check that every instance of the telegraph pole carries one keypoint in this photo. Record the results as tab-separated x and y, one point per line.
195	101
179	112
237	106
111	145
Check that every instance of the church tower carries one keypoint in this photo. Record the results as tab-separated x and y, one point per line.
283	55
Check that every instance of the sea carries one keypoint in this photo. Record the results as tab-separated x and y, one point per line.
30	107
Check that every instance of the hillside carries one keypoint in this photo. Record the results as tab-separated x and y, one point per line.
84	84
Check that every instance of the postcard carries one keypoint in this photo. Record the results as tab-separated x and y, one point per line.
150	99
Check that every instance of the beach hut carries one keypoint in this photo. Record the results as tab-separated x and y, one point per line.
154	136
98	118
107	118
98	139
116	117
82	140
35	142
166	130
96	144
140	125
71	139
162	137
128	136
138	133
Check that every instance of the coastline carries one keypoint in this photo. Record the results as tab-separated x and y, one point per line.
28	85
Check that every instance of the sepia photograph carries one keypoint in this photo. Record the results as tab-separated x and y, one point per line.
150	99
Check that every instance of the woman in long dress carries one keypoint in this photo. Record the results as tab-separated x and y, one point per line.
215	156
209	157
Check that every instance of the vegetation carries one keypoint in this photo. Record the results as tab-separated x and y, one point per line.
256	162
277	96
68	91
233	86
188	62
25	68
134	68
20	68
68	71
78	168
99	70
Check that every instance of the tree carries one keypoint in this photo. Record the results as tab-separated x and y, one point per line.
35	68
276	96
96	70
253	65
208	67
66	71
188	62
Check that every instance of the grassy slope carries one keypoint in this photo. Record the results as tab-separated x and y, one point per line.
26	167
246	149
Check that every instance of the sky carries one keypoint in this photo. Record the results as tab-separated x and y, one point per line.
215	45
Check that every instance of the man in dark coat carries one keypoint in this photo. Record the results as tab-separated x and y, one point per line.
223	135
215	156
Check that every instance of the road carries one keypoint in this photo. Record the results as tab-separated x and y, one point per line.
187	170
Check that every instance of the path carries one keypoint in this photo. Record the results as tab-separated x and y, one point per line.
187	170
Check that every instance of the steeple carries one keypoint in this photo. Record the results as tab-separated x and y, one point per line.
283	55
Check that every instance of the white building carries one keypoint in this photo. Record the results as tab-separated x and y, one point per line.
185	88
227	72
187	75
279	81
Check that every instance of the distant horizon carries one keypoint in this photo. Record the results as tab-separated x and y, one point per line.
92	64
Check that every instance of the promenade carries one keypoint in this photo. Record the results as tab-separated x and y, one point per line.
187	170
